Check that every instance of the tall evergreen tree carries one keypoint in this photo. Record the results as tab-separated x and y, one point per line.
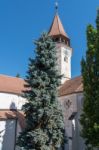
44	121
90	73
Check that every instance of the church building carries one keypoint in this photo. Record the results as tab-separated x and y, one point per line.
70	96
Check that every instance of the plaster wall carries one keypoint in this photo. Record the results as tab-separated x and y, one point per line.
11	101
69	105
72	109
78	141
17	134
58	55
7	134
64	66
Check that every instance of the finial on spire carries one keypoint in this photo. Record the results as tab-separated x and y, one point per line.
56	6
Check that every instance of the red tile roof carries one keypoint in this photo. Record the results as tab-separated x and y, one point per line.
57	28
16	85
74	85
11	84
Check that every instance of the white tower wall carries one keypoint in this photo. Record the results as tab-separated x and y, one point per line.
64	54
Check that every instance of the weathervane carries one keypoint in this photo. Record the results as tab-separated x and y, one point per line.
56	6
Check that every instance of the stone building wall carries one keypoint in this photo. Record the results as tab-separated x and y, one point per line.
72	108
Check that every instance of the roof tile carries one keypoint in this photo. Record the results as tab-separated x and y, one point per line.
16	85
57	28
11	84
74	85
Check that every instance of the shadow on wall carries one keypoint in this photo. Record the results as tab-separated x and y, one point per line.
13	106
8	127
9	133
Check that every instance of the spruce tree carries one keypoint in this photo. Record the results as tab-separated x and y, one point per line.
18	75
44	121
90	73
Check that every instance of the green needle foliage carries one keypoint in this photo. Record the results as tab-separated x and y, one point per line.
44	120
90	72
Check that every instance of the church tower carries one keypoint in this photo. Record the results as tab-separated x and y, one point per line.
64	51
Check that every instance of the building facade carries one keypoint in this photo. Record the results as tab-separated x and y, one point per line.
64	51
70	96
11	117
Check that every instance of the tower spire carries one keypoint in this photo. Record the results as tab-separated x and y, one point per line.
63	49
57	30
56	7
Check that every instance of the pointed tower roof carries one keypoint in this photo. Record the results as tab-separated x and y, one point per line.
57	28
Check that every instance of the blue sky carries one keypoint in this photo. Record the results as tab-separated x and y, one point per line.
22	21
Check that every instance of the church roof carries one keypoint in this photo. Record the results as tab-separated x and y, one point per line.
16	85
74	85
11	84
57	28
